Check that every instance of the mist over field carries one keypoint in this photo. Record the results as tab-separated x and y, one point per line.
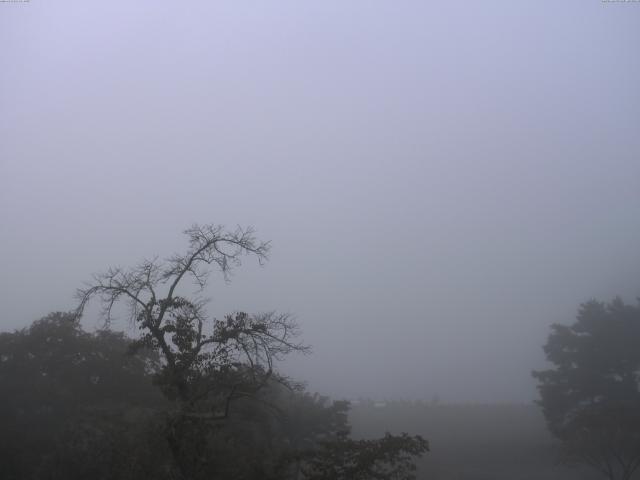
440	181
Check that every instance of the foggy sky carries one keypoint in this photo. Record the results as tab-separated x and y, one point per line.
441	181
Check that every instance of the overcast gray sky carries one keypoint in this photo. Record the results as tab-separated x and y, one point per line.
441	181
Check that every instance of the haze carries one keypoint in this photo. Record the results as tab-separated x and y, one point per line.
441	181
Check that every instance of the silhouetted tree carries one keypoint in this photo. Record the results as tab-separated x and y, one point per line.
207	364
79	405
590	398
217	372
391	457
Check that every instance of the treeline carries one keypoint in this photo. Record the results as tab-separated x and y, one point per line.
193	397
190	397
78	405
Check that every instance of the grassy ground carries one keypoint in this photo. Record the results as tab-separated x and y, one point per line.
472	442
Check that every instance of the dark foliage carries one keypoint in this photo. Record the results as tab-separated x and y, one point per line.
591	398
79	405
391	457
72	402
192	398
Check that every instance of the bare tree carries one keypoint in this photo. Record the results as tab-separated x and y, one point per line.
207	363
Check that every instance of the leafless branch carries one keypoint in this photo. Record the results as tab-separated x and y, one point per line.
235	358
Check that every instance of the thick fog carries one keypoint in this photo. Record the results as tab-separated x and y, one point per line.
440	181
